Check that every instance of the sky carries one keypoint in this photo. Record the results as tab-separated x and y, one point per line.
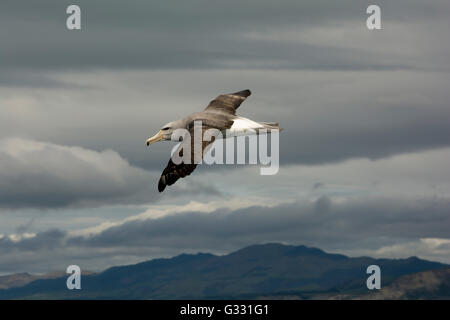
364	152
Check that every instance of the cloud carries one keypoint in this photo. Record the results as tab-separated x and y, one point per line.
340	90
427	248
323	222
46	175
234	34
327	116
46	240
378	208
377	227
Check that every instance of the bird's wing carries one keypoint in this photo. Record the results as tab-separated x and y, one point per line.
173	171
228	103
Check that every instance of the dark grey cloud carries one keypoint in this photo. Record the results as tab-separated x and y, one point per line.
318	185
14	78
326	223
199	34
369	94
327	116
23	228
45	240
374	131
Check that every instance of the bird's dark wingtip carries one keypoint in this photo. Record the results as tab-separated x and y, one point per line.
161	184
243	93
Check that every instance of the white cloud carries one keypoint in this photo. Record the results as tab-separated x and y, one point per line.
41	174
425	248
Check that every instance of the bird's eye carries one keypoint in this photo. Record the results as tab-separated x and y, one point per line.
165	128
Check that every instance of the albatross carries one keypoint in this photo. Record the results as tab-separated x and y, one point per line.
220	114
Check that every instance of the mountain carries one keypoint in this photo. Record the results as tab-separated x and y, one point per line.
21	279
15	280
268	270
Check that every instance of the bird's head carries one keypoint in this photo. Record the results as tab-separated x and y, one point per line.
165	133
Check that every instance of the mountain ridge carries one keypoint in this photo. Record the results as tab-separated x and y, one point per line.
253	271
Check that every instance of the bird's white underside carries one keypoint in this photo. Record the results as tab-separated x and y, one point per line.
243	126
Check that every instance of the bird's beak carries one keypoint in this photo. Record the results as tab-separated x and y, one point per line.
157	137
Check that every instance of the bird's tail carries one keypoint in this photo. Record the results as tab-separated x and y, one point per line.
271	125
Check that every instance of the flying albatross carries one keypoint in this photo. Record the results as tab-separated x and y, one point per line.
219	114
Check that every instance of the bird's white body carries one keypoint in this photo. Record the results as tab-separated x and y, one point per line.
243	126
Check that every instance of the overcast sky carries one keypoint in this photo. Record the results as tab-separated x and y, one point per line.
364	154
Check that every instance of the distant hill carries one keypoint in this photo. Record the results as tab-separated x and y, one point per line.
269	270
21	279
